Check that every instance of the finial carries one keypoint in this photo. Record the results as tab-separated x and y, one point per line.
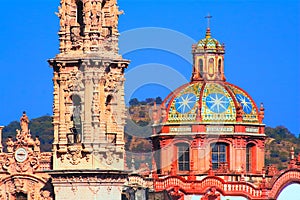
261	106
292	152
208	34
261	114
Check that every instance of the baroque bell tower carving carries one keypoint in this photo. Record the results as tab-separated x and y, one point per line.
88	80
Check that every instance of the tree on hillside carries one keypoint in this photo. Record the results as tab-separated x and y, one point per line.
150	100
158	100
278	145
134	102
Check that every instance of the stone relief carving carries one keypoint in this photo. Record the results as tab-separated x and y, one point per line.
76	38
45	195
6	162
37	145
32	188
18	186
109	158
74	155
10	145
95	14
94	189
24	153
100	21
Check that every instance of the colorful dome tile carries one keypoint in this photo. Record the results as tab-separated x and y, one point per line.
217	104
210	44
250	111
213	103
183	105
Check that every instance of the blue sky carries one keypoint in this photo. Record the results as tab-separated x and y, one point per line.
262	41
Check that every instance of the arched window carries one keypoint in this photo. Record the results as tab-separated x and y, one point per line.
211	69
201	67
183	156
76	118
219	155
108	102
21	196
79	16
220	66
250	162
103	4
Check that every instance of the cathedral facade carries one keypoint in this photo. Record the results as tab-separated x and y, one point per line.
208	135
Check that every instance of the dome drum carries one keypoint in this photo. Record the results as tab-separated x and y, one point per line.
208	129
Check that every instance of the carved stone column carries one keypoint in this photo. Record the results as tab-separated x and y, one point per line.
88	96
62	138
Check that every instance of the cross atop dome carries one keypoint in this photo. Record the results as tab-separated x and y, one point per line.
208	33
208	17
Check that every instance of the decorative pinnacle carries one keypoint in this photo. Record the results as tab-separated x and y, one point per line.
208	33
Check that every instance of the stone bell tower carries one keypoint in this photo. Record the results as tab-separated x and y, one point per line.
88	106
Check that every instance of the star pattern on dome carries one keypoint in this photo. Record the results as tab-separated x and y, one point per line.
185	102
217	102
245	102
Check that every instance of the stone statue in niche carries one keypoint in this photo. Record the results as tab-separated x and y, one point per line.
76	119
76	38
93	43
115	19
10	145
27	140
24	121
87	16
61	15
96	15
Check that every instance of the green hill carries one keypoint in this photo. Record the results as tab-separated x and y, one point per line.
41	127
280	141
138	145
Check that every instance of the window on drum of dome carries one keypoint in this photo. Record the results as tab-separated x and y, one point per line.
219	155
220	66
211	70
201	67
249	157
183	156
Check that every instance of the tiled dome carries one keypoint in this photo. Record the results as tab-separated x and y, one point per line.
213	102
209	44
